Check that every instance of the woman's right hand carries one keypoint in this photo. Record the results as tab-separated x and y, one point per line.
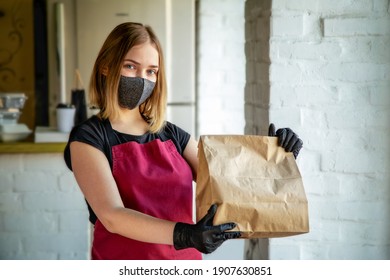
203	236
287	139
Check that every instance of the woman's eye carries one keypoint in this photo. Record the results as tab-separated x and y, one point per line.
152	72
130	66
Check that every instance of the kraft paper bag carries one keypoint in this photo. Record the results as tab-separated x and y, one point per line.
255	183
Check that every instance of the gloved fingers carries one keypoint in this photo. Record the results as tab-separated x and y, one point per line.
232	235
289	140
297	147
221	237
285	135
271	130
289	136
224	227
281	133
292	141
208	218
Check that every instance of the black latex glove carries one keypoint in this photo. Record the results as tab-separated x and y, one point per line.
203	236
287	139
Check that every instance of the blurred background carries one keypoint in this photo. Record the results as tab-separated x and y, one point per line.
319	67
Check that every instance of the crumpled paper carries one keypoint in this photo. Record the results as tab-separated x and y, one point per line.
255	183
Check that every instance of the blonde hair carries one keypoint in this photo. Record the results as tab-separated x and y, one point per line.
103	89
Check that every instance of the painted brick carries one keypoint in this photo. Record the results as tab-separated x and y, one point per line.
329	231
10	244
305	96
10	202
33	181
354	188
379	94
312	29
346	72
254	8
313	118
66	242
336	161
375	211
74	222
315	251
330	7
325	50
285	73
337	27
353	117
381	6
359	252
44	162
287	26
80	255
221	67
6	182
365	49
67	182
11	163
206	53
320	184
286	117
330	77
32	222
263	29
30	256
250	72
51	201
369	233
225	7
284	252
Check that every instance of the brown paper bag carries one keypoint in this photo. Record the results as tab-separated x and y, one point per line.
255	183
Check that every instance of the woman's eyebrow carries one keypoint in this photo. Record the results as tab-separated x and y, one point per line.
136	62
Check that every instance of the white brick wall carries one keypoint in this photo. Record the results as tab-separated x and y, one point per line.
42	212
220	67
324	72
329	76
221	80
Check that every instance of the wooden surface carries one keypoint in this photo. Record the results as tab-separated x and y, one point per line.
31	147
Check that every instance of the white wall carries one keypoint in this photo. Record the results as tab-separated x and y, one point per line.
329	77
221	81
42	212
220	67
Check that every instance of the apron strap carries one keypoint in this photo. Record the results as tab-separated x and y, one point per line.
110	133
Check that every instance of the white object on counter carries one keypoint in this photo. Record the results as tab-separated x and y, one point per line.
65	118
15	100
13	132
45	134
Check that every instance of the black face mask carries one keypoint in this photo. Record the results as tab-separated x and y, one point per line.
133	91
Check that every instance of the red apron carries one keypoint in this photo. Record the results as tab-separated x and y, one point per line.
152	178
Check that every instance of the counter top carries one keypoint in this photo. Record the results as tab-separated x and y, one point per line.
31	147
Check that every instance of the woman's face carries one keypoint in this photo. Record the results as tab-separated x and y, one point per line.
141	61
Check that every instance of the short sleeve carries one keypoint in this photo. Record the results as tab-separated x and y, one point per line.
179	136
90	132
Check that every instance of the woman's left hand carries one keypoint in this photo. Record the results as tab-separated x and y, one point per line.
287	139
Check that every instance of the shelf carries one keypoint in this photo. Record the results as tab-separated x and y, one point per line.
31	147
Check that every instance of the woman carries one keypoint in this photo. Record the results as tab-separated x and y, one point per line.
134	168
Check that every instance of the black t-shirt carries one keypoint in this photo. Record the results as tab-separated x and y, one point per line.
99	134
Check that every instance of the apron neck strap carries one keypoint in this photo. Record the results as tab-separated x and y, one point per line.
112	141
